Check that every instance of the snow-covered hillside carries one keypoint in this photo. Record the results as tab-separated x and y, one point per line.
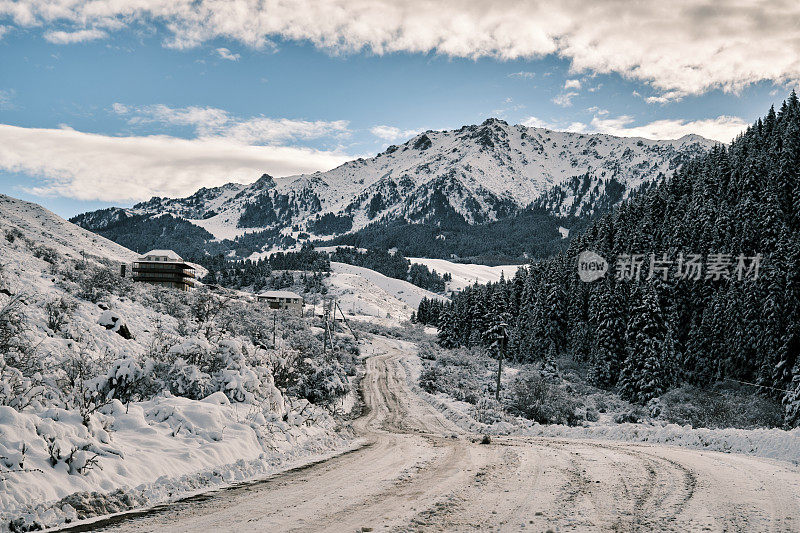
466	274
367	295
139	394
48	229
477	173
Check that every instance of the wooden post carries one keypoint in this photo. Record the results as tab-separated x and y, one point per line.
501	353
274	329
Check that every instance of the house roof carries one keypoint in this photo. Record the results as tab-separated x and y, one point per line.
280	294
164	253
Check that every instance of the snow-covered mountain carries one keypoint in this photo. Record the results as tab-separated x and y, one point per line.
475	174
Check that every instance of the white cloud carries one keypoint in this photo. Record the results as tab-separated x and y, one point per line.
564	99
722	128
572	127
391	133
88	166
210	122
3	31
6	97
79	36
681	47
224	53
664	98
572	84
597	110
523	75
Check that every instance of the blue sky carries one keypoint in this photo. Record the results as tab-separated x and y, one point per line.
109	109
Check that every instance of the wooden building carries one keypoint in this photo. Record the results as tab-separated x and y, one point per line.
282	300
166	268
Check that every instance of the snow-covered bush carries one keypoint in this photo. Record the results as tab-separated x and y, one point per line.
187	380
59	310
460	373
98	283
231	373
531	396
488	411
719	408
11	320
126	380
306	371
17	390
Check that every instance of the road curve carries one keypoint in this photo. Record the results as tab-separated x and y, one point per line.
420	472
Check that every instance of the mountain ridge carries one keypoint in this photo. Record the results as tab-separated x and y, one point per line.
472	175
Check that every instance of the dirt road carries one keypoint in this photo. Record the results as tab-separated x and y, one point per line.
419	472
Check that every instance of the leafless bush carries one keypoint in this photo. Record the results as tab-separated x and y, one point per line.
59	311
534	398
17	390
205	309
719	408
78	460
77	384
98	283
10	322
13	234
46	254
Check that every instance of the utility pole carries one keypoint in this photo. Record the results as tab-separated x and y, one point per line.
274	328
500	354
326	318
346	322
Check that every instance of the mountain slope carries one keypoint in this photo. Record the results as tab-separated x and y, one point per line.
731	324
473	175
48	229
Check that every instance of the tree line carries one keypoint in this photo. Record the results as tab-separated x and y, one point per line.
646	336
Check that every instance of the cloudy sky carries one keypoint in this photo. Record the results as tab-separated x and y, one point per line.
108	102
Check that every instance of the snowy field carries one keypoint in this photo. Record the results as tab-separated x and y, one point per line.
53	231
466	274
369	295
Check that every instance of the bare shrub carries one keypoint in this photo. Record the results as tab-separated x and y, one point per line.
11	321
46	254
532	397
17	390
460	373
98	283
719	408
59	311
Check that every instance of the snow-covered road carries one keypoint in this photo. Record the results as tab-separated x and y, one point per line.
421	472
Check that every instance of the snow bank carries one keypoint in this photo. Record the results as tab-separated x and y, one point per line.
771	443
153	451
